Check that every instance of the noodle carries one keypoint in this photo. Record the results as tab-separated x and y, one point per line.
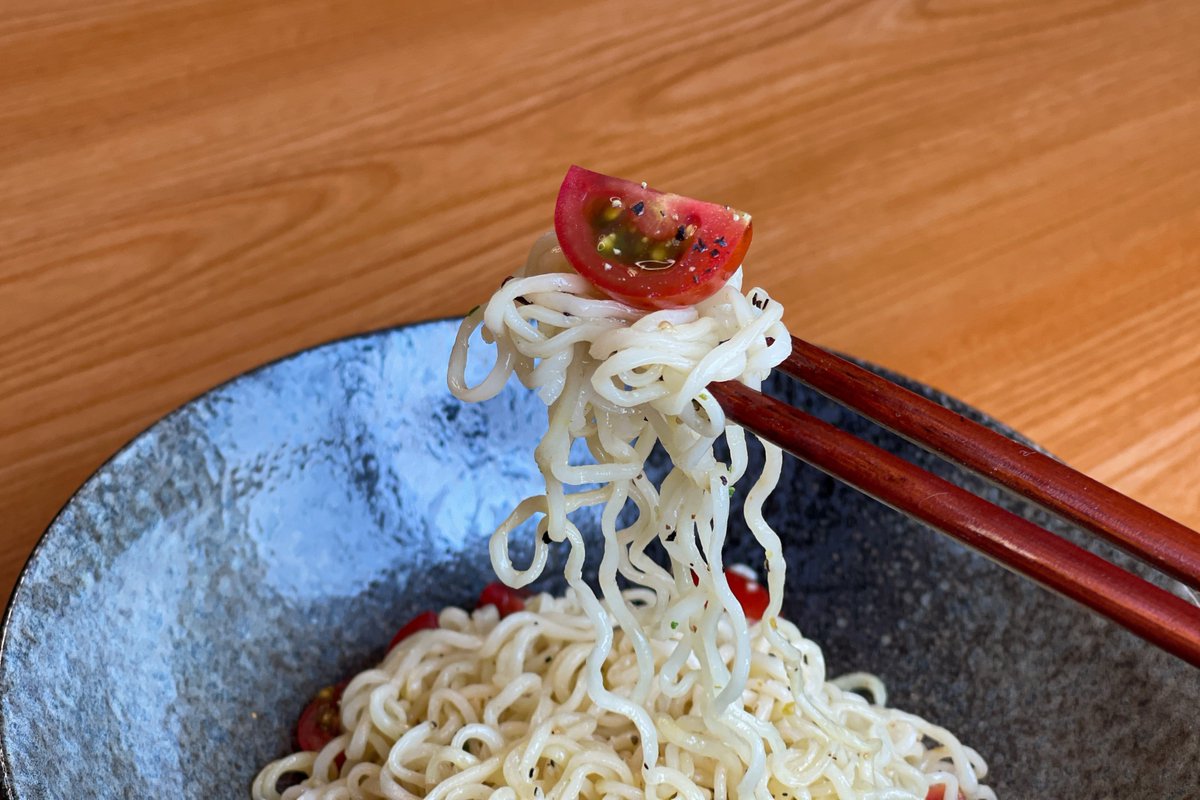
658	691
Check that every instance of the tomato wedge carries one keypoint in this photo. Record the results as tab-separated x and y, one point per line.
426	620
318	722
647	248
506	600
753	596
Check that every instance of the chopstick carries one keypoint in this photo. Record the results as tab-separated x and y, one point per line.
1148	611
1142	532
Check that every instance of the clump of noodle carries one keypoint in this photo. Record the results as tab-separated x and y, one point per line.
484	707
674	694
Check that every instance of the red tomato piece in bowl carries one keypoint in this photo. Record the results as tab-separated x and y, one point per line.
647	248
752	595
426	620
506	600
319	721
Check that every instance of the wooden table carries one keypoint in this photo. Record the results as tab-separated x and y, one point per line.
999	197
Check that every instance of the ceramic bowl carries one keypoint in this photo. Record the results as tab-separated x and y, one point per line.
269	537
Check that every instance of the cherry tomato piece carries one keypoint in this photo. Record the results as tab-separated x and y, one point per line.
506	600
753	596
319	722
426	620
647	248
939	793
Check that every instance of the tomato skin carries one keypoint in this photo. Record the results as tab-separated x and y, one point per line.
426	620
753	596
939	793
505	599
676	251
319	722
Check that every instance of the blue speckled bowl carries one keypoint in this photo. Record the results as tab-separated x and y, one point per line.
268	537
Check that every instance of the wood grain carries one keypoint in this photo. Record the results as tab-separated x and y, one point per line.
999	197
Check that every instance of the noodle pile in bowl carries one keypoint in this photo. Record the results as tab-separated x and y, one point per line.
661	690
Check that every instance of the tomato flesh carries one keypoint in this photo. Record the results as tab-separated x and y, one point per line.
647	248
426	620
752	595
506	600
318	722
939	793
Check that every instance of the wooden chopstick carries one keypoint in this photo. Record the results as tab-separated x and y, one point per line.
1141	531
1143	608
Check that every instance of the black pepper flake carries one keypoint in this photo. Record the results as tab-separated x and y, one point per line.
531	772
724	481
714	252
680	234
637	208
695	279
548	660
720	241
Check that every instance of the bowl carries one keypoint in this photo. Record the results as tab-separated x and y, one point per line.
268	538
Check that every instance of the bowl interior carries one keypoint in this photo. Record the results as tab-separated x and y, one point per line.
268	538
